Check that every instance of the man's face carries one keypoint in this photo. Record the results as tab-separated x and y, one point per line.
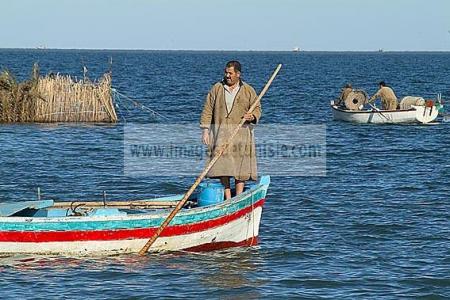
231	76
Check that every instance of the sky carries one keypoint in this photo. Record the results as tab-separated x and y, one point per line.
260	25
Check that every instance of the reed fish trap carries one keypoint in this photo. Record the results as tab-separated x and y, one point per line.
55	98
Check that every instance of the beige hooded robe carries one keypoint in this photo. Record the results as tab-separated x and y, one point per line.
239	160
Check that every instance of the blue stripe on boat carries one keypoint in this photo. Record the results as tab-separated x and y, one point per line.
184	217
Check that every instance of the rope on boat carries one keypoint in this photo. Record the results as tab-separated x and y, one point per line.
253	220
118	98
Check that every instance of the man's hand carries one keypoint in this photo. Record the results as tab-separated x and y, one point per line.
205	136
249	117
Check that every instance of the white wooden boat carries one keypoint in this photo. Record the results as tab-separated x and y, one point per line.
416	114
47	227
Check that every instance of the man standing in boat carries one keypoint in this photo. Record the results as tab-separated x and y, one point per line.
226	104
346	90
387	95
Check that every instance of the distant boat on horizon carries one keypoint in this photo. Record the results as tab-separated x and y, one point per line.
41	47
380	50
296	49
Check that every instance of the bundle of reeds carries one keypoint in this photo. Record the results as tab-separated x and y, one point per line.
55	98
16	99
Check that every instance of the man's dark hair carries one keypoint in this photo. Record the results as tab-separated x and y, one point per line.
348	86
235	64
382	83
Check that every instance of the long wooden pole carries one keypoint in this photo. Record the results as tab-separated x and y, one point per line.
217	155
379	111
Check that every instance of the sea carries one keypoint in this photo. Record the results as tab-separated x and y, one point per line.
375	224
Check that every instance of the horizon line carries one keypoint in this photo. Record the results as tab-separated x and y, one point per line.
40	48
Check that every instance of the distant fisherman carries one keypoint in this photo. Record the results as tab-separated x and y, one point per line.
346	90
387	95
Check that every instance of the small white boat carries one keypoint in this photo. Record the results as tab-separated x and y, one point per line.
415	114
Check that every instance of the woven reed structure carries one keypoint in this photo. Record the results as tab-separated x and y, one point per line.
55	98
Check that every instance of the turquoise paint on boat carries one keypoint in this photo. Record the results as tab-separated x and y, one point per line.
142	221
89	223
265	180
107	212
52	213
9	209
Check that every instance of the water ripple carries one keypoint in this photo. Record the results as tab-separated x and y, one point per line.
376	227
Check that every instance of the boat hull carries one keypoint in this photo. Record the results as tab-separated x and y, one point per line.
229	224
242	231
417	114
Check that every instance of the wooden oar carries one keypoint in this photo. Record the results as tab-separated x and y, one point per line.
217	155
377	110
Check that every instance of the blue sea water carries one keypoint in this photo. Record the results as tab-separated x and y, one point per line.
377	226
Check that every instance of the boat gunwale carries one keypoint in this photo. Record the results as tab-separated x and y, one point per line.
157	213
372	111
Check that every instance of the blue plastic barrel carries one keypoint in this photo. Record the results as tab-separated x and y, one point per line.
210	193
